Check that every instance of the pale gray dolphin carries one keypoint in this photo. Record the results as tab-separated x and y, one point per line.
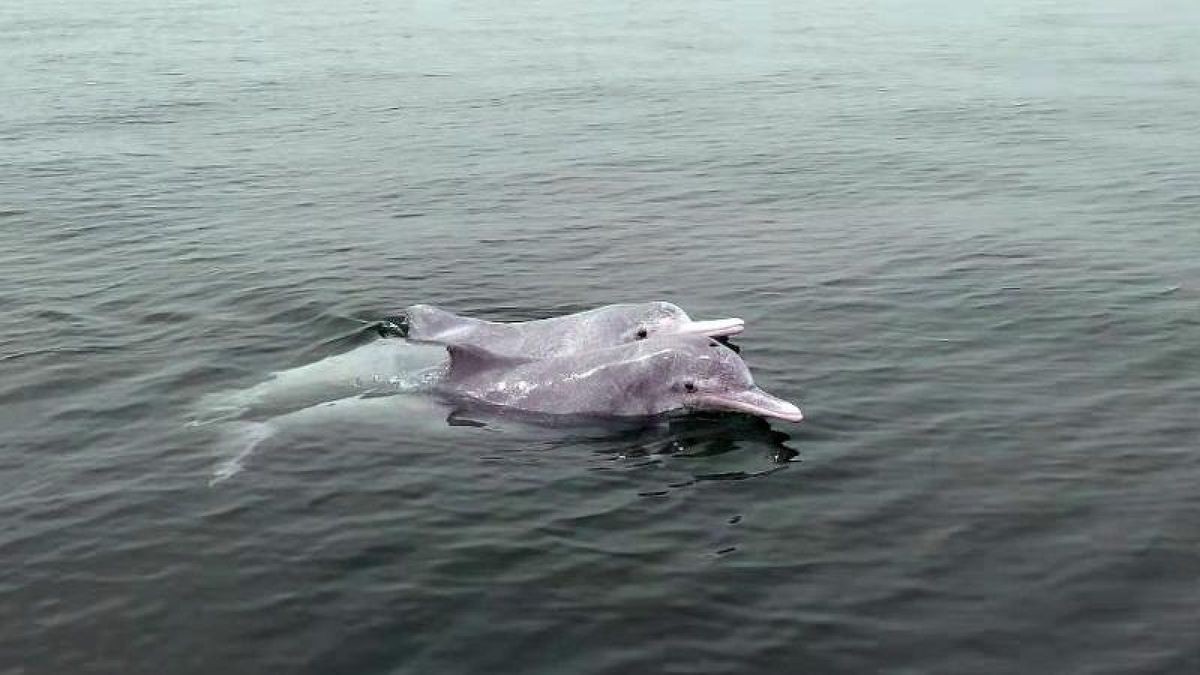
378	367
643	378
598	328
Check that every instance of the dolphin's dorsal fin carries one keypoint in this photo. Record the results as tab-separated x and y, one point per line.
466	359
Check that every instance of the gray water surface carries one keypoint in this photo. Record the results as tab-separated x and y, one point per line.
964	237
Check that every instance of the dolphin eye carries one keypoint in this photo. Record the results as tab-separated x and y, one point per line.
641	333
689	387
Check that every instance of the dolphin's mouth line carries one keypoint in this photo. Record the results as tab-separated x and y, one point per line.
714	328
753	401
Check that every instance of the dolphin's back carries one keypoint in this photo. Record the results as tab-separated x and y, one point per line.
426	323
541	338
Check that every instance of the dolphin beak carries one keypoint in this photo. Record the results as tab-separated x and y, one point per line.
714	328
754	401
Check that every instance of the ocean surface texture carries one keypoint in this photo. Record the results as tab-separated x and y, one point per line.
965	237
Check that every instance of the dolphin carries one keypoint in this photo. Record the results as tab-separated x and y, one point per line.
639	379
377	367
594	329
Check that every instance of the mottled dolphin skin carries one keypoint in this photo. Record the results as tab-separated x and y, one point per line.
594	329
642	378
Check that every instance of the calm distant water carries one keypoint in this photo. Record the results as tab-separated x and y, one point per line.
965	238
